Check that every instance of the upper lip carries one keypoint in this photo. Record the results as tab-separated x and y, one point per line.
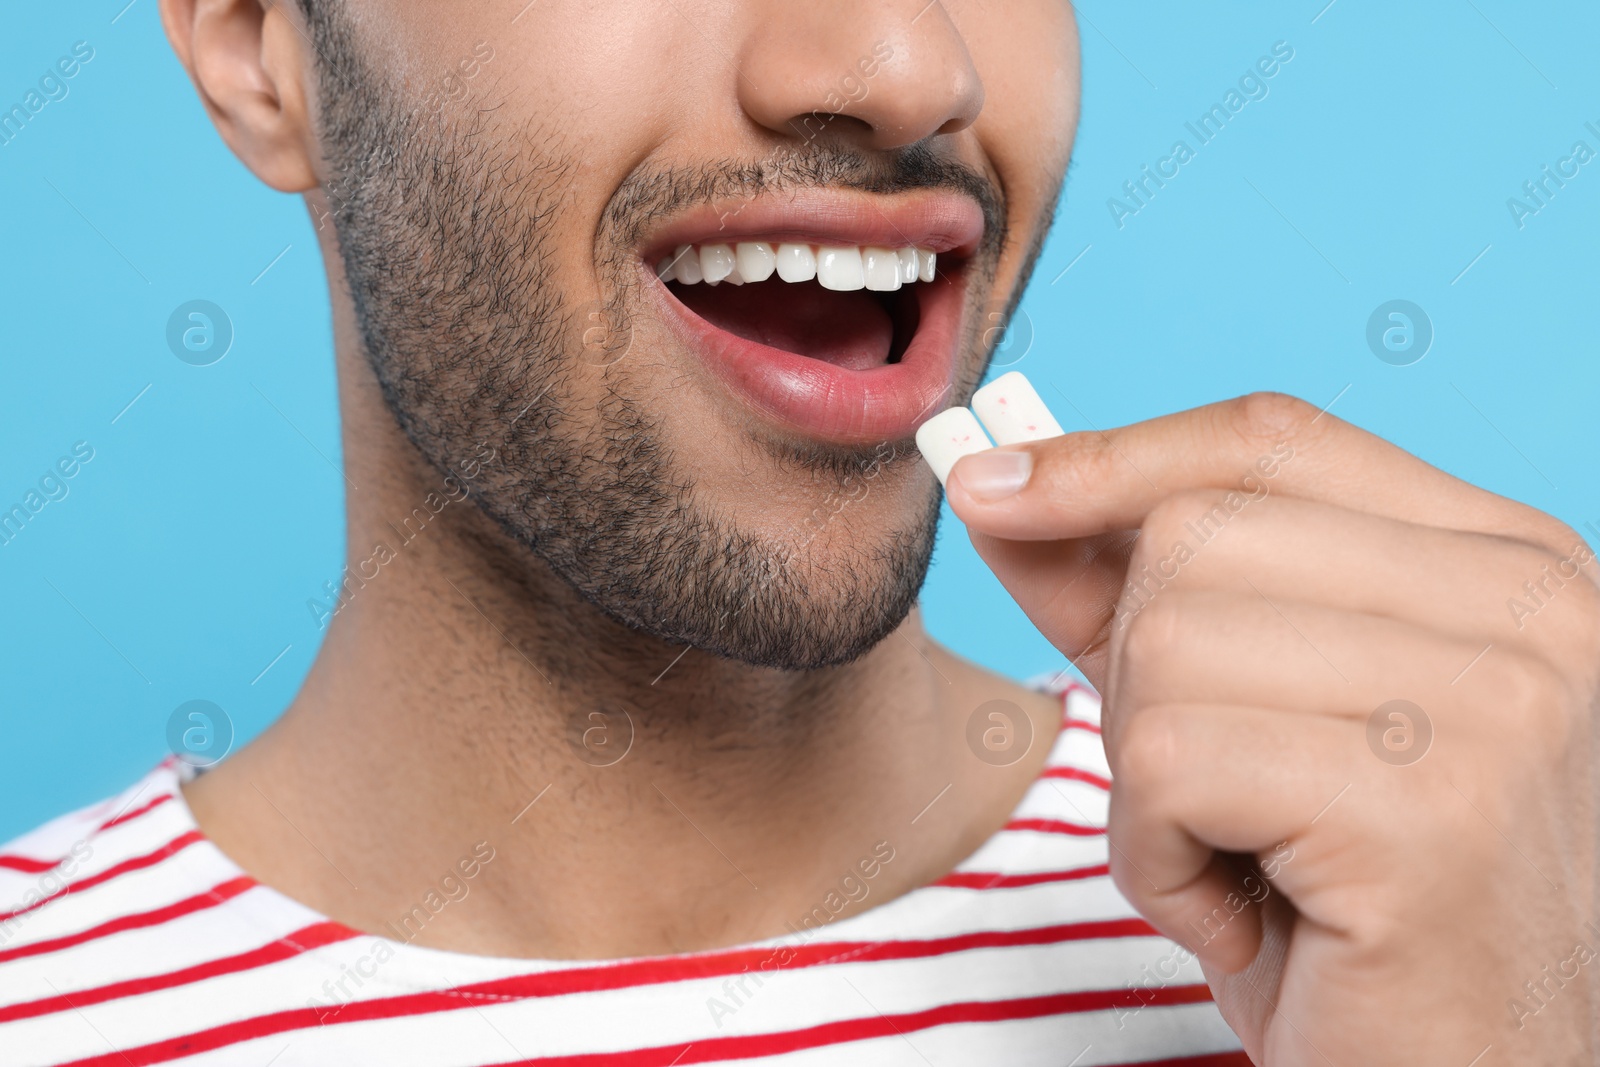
932	220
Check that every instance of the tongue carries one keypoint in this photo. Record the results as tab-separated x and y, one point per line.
851	330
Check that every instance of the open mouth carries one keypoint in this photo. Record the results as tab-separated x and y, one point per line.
854	307
825	314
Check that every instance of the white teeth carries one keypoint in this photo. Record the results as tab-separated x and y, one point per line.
909	264
716	262
796	263
881	267
839	267
688	268
755	260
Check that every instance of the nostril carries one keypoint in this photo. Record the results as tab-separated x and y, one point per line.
957	123
829	125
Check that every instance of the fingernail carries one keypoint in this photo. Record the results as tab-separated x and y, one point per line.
996	474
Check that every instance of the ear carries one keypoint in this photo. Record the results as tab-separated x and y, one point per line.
248	60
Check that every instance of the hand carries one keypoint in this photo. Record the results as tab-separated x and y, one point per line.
1250	585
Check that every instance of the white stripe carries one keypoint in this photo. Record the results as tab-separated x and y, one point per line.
193	870
1066	800
1080	749
678	1012
1155	1033
257	917
1021	853
646	1016
1084	704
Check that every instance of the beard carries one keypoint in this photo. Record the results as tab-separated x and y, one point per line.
479	342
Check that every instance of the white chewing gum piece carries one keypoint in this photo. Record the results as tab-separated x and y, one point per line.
1010	409
948	436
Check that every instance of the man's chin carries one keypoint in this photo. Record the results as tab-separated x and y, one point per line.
812	640
839	615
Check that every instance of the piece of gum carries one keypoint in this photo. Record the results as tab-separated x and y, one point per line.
947	437
1010	409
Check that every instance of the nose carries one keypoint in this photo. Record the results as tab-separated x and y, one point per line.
881	73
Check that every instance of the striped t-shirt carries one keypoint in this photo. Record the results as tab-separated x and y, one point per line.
127	938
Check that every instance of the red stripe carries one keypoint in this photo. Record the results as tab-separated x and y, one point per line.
29	865
1075	686
149	859
310	937
1056	826
603	977
1077	774
987	880
199	902
1067	721
1213	1059
718	1049
129	816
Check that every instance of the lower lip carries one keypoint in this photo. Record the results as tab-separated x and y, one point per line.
819	400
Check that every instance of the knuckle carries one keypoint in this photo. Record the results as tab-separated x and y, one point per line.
1536	699
1559	608
1177	528
1168	519
1152	632
1148	753
1559	538
1581	623
1075	463
1265	418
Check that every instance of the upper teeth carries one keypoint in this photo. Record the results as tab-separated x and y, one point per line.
842	267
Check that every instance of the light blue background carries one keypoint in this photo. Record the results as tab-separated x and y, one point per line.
1378	167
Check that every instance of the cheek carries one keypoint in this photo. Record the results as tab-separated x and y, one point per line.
1027	56
617	66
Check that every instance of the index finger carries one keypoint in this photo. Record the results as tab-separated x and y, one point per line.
1088	483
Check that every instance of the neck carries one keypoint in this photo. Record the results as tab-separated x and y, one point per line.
633	796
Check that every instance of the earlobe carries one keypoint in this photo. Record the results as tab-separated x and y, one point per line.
248	63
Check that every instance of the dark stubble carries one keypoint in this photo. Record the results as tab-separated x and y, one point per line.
477	341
